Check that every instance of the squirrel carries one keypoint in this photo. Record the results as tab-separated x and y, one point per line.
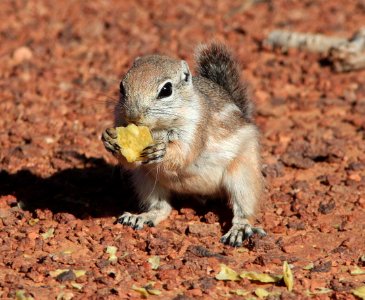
206	142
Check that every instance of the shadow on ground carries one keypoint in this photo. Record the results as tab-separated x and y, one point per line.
97	189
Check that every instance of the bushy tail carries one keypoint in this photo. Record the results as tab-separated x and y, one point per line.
216	63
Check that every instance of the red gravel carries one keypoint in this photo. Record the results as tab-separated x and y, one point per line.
60	67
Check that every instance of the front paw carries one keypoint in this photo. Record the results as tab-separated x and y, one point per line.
109	138
154	153
136	221
239	232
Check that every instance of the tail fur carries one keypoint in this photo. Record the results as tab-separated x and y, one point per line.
216	63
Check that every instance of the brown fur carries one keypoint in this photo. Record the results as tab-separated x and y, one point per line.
211	145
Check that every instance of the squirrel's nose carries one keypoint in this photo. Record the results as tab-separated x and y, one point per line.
133	117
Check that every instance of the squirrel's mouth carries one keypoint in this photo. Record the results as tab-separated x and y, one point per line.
139	121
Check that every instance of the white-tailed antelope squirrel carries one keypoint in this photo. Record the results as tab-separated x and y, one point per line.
205	140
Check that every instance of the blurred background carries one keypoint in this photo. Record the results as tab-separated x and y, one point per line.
60	67
61	62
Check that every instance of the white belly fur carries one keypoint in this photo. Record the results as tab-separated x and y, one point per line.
204	176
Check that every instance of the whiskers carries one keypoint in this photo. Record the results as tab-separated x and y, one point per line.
156	178
123	105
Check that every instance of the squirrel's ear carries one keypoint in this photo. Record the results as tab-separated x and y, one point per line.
185	72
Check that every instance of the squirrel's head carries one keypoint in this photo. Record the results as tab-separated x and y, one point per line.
154	92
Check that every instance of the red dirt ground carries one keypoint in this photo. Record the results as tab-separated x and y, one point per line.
61	63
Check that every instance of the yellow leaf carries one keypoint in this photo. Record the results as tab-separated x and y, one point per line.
154	262
310	266
318	291
57	272
48	234
149	287
133	140
112	250
288	276
65	296
261	277
242	250
359	292
76	285
227	273
261	293
357	271
322	290
20	295
140	290
32	222
79	273
239	292
154	292
147	290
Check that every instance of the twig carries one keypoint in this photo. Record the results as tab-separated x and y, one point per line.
344	54
351	55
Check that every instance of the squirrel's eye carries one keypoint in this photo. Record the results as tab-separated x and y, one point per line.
165	91
121	88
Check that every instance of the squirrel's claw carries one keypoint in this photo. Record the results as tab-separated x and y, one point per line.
136	221
109	138
153	153
238	233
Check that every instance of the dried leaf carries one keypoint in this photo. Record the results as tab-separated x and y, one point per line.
154	292
140	290
242	250
57	272
79	273
112	250
32	222
48	234
147	290
155	262
318	291
261	293
76	285
357	271
20	295
227	273
149	287
288	276
239	292
261	277
65	296
359	292
310	266
322	290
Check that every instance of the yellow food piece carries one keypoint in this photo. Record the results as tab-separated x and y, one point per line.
132	140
